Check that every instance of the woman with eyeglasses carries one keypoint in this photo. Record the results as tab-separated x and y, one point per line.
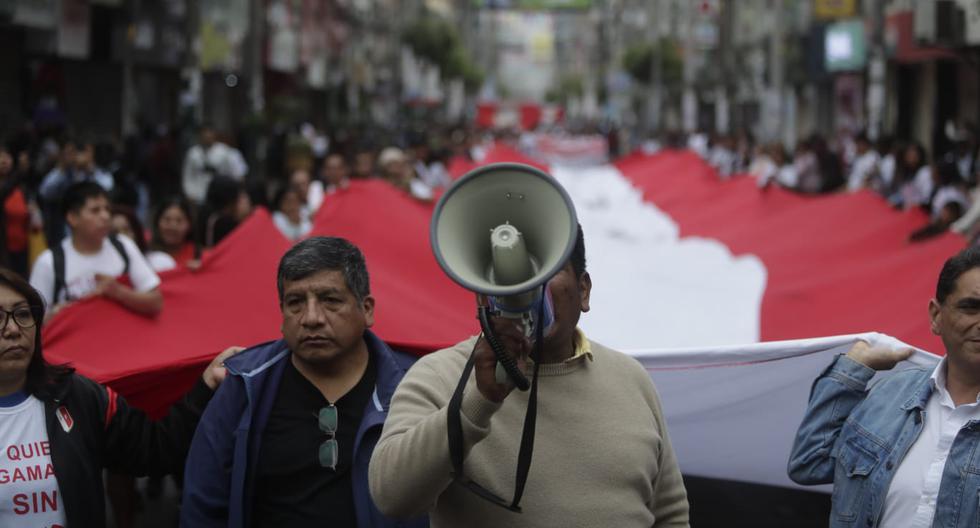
59	429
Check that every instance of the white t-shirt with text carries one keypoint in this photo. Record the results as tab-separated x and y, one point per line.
29	494
80	270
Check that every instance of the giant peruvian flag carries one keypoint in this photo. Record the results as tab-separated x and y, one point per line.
688	272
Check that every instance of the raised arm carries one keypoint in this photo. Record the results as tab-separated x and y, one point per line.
838	390
136	444
410	466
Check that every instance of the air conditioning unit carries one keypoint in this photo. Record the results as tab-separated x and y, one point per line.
939	23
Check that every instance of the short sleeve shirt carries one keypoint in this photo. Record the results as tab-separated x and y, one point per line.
81	269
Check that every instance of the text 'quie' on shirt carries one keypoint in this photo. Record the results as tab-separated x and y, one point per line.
29	494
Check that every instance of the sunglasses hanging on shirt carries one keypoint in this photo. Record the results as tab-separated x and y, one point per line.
329	452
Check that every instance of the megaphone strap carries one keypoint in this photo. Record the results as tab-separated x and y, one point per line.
454	421
455	429
530	418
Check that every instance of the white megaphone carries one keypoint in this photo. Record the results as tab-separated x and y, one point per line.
503	230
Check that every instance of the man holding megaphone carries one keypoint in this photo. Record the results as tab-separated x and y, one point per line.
459	437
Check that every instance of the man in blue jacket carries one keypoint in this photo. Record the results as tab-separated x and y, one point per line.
287	439
902	452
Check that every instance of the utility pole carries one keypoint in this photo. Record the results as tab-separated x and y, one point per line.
128	101
774	111
190	103
689	101
656	87
726	46
604	49
256	95
876	71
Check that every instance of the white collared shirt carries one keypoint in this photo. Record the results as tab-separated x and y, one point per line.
862	171
914	490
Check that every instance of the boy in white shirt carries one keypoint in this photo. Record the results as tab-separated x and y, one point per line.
90	261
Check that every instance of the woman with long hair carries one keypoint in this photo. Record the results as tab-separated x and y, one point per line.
63	429
172	241
289	216
226	206
124	222
912	185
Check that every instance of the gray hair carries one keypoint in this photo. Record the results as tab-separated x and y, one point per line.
320	253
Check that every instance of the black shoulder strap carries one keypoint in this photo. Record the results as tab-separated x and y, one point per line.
114	240
58	256
455	427
530	417
455	424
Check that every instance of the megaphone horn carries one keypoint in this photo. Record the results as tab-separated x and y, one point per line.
503	229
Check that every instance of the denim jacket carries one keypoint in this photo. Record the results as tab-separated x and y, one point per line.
856	439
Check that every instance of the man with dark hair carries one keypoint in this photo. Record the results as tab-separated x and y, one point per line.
76	163
310	191
336	173
288	440
90	260
902	452
865	165
602	455
207	159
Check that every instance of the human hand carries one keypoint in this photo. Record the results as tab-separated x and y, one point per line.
34	212
511	335
878	358
55	309
216	372
106	286
193	264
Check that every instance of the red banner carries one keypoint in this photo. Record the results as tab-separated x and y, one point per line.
836	264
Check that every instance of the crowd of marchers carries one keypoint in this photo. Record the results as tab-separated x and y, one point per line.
902	172
330	425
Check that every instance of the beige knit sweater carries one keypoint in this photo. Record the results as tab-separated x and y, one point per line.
602	457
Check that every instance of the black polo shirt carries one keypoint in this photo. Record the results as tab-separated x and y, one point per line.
291	488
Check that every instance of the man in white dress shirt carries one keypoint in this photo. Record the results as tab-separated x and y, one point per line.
207	159
904	451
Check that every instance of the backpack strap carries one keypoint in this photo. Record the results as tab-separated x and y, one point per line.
114	240
58	256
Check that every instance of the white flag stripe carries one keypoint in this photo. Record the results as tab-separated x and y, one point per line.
651	287
733	411
657	359
677	305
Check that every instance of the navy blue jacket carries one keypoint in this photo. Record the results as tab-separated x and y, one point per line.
219	480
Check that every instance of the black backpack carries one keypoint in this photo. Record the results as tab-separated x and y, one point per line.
58	254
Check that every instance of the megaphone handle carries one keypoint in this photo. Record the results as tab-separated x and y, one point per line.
500	374
504	359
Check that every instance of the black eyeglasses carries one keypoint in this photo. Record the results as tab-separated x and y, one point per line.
23	316
329	450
